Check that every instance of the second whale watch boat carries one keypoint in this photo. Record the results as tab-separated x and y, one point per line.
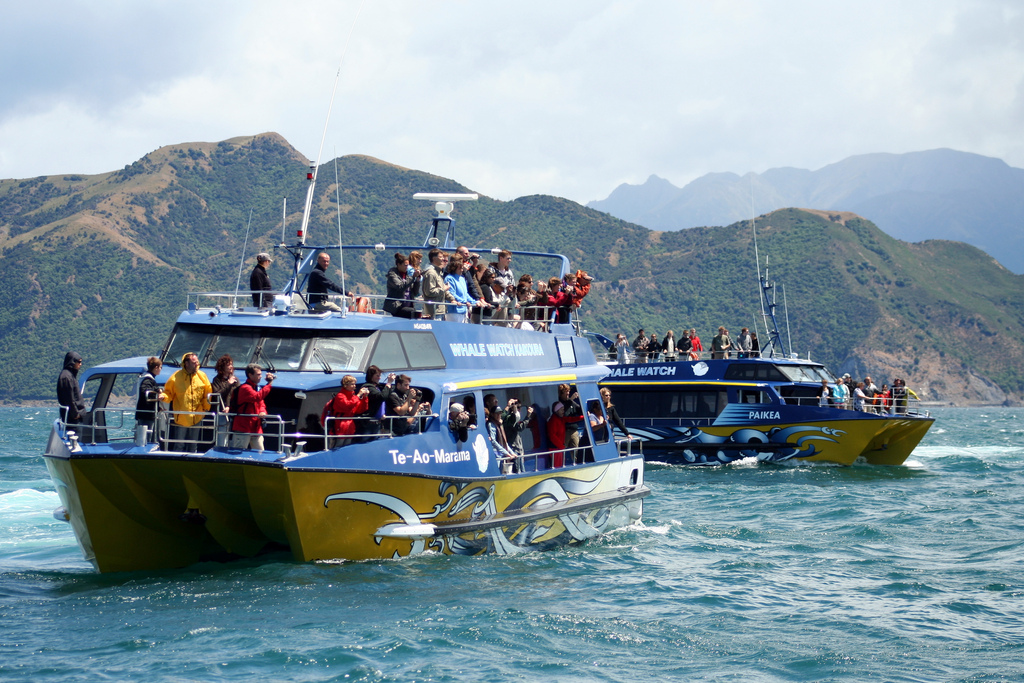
765	406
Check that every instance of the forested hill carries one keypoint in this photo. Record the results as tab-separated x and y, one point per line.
101	264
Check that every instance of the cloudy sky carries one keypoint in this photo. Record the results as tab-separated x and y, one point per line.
564	97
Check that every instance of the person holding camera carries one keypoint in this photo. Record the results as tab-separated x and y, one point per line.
514	422
458	422
343	406
247	427
573	418
403	405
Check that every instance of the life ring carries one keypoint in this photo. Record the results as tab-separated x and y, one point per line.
363	305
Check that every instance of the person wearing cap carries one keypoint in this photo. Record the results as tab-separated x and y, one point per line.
259	281
458	421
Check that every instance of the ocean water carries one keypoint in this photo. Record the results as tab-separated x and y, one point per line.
747	572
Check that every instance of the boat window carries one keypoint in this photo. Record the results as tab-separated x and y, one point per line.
639	402
566	351
185	340
753	396
91	390
284	353
422	350
240	344
761	372
340	353
388	353
407	351
803	373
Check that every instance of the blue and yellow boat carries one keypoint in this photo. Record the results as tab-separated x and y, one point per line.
144	499
767	405
713	412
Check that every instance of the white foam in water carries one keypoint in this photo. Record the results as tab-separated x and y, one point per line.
27	501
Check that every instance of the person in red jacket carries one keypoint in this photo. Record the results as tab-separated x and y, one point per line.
345	404
250	407
556	433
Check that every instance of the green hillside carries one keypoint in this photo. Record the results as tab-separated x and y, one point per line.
101	264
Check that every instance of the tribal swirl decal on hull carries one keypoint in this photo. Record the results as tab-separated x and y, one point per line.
697	447
546	532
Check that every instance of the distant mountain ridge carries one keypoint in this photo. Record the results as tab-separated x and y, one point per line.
101	265
936	194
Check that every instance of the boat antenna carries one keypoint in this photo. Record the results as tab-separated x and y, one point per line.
241	263
284	217
789	337
314	167
444	204
757	258
341	256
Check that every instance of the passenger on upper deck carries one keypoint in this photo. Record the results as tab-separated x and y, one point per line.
502	270
435	290
685	346
259	281
744	343
640	346
621	348
320	284
502	302
456	281
669	347
403	287
187	391
755	346
469	264
69	396
696	343
560	299
653	348
720	344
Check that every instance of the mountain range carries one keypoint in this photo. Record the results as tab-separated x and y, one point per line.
937	194
101	264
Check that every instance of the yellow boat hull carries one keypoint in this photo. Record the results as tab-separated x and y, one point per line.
145	513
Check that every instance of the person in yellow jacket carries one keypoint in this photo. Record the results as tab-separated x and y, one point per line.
188	392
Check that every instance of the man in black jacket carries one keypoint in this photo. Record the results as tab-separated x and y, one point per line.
319	284
259	282
69	396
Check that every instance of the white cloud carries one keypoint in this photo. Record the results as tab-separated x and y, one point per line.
567	98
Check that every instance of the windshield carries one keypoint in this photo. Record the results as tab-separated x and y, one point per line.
239	344
806	373
187	340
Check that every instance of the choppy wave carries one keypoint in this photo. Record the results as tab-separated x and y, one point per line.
742	572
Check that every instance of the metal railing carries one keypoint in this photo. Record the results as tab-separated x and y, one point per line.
878	404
